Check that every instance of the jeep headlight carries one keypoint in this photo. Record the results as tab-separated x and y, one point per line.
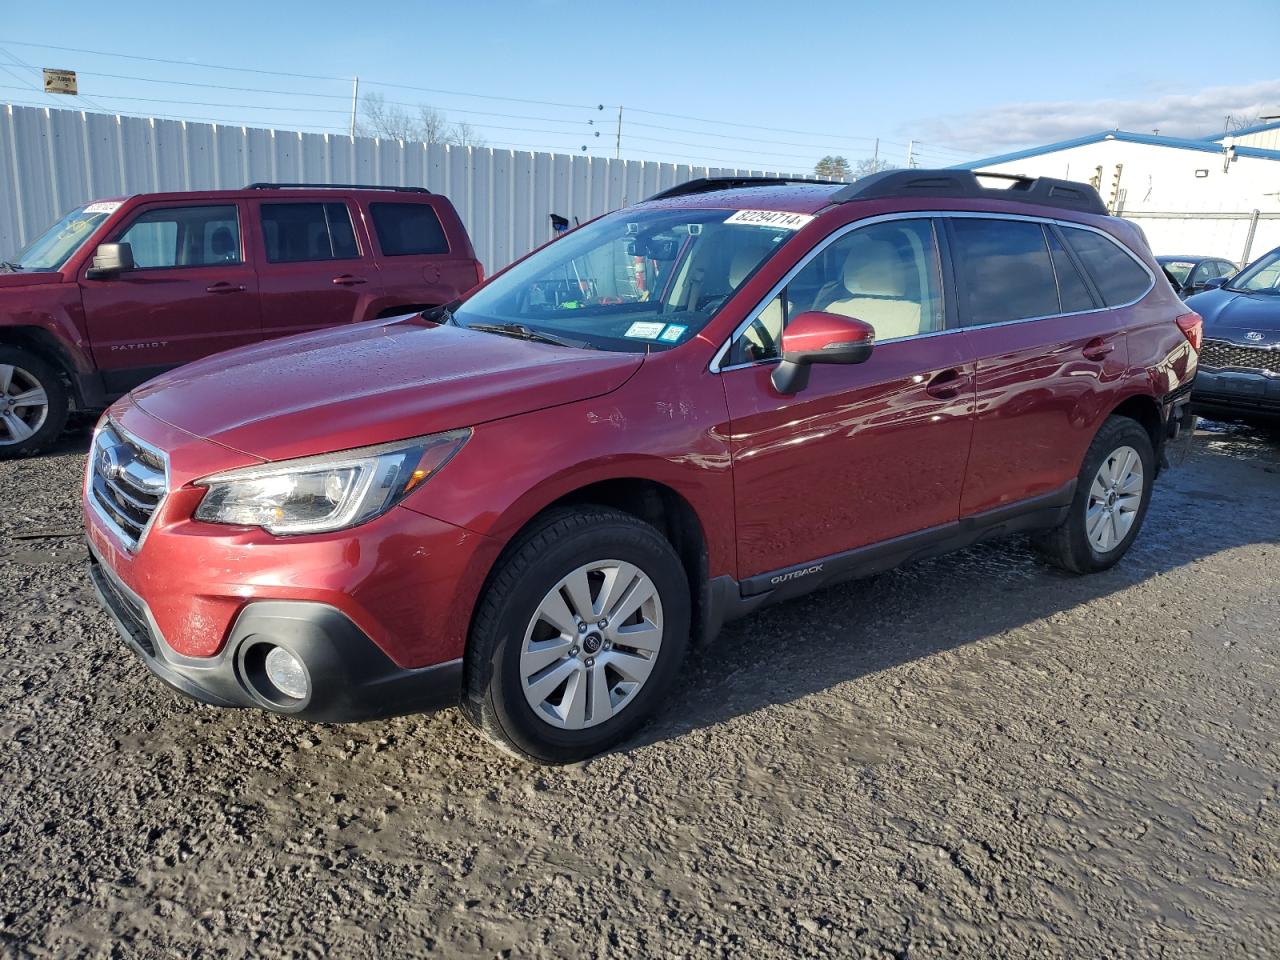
328	492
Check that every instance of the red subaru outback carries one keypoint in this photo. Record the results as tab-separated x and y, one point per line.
528	502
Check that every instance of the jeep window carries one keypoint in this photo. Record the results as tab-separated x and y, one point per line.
1003	271
184	237
405	229
1115	273
298	232
1261	277
885	274
631	281
50	250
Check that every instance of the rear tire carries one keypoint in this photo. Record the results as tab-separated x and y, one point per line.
1113	491
33	403
547	683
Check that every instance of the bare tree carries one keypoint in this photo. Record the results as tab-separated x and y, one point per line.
837	168
391	121
870	165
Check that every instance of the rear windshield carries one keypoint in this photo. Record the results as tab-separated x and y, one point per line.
636	280
50	250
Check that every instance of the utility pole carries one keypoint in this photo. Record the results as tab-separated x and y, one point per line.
617	148
875	158
355	99
911	149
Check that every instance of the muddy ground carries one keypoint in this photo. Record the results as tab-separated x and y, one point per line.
974	756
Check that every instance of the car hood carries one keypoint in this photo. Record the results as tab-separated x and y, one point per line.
1245	318
372	383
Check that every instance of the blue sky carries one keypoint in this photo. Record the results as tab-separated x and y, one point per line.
765	85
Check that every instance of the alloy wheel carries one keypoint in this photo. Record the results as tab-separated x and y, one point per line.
591	644
1114	499
24	405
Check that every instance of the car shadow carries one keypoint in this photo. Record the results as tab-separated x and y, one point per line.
847	632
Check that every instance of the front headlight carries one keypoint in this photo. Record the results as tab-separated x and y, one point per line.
329	492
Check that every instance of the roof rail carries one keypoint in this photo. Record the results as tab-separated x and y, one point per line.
1045	191
263	185
708	184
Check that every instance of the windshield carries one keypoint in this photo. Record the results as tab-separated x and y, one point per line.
1177	269
635	280
51	249
1261	277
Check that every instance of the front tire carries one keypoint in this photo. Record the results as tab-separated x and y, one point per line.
33	403
578	637
1113	491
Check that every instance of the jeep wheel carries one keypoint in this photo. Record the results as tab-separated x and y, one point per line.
33	403
1111	498
579	637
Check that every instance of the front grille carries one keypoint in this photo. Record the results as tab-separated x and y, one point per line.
1219	355
127	481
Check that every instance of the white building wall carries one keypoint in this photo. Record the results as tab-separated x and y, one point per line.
54	160
1165	180
1266	139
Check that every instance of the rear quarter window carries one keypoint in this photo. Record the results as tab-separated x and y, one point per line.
408	229
1115	273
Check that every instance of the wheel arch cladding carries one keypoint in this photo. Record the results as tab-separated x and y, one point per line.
1146	411
655	503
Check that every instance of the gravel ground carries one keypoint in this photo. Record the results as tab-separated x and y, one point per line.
976	755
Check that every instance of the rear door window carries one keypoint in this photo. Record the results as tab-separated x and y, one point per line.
298	232
165	237
1003	271
1118	277
1072	289
408	229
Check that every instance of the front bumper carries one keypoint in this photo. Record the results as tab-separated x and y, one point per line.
1236	393
350	678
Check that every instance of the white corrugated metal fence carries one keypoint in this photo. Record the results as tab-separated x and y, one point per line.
53	160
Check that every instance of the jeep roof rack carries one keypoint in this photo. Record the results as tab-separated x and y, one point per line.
708	184
1045	191
264	185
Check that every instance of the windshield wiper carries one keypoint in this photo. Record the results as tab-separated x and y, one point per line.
521	332
8	267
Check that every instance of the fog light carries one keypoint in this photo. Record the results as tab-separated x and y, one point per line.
287	673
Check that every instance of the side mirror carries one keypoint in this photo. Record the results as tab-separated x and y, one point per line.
1213	283
109	260
816	337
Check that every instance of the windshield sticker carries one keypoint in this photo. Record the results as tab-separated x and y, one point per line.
673	333
103	206
644	330
770	218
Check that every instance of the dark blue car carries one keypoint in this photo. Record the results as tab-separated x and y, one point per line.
1239	377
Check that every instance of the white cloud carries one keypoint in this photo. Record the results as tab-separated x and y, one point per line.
1015	125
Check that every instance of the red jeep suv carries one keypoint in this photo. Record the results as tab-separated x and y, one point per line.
118	291
529	501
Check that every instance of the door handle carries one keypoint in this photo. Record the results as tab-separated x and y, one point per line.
224	287
946	385
347	280
1097	348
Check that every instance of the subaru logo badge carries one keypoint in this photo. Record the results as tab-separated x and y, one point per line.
108	463
1253	335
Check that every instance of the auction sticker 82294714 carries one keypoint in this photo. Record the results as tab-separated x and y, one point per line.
771	218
